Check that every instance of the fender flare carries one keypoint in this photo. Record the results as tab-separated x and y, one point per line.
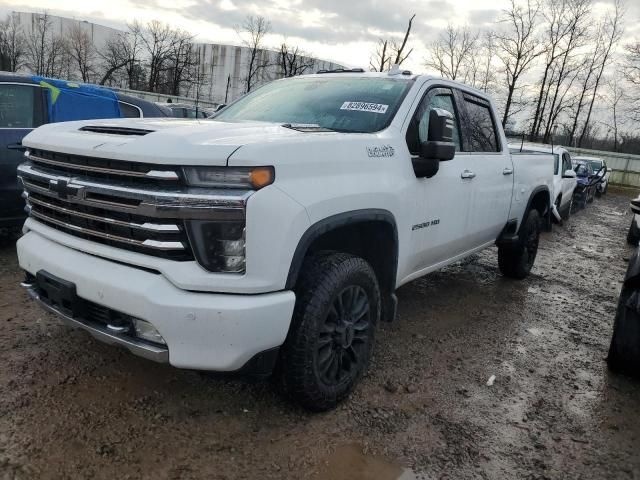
534	192
331	223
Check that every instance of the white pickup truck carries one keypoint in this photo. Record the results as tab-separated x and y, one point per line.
274	235
564	177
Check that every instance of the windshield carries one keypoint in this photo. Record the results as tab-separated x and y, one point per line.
582	170
595	165
352	105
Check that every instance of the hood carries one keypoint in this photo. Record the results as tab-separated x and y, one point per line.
155	140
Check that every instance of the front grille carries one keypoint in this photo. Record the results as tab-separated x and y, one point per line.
107	169
134	206
117	229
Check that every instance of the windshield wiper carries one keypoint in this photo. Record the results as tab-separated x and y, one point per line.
308	127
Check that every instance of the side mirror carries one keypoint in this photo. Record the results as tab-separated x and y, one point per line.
220	107
439	147
569	174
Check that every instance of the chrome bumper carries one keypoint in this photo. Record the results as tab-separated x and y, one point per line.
150	352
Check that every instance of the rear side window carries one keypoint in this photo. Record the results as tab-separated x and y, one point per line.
129	111
566	162
21	106
482	133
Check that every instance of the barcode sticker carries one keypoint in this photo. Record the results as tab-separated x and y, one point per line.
365	107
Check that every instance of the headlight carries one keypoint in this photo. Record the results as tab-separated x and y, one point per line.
229	177
219	246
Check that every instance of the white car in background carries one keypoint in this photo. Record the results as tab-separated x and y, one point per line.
564	177
599	167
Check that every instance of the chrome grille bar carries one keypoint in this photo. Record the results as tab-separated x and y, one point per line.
193	204
154	227
152	244
154	174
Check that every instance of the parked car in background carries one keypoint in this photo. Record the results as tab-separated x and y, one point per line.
624	351
599	167
26	102
633	236
184	110
564	177
275	234
585	190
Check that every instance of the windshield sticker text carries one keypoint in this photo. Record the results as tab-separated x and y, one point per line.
365	107
383	151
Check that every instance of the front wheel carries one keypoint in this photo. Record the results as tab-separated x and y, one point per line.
624	352
329	344
516	261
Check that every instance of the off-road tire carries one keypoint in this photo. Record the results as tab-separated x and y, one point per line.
633	235
624	352
322	291
516	261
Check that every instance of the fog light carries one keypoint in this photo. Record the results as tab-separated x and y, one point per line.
146	331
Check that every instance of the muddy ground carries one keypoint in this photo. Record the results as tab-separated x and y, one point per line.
73	408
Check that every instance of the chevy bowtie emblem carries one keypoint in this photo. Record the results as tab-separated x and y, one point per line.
64	189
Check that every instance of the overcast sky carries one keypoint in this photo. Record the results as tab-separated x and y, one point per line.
341	30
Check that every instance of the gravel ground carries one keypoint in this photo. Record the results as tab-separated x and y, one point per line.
71	407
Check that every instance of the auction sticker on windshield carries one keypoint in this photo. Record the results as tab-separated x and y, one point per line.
365	107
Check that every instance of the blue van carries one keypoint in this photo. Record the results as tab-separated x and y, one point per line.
26	102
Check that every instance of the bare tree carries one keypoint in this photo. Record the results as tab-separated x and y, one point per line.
615	96
631	72
381	59
450	54
12	44
518	47
293	61
390	52
567	70
613	32
39	44
82	51
252	33
158	41
398	49
479	71
183	64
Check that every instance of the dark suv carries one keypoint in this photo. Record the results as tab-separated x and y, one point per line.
26	102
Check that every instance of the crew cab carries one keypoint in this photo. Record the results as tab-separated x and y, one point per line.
26	102
275	234
564	177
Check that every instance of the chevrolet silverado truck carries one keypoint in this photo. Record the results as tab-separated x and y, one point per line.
272	237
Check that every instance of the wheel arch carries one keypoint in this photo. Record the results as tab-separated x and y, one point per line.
349	227
539	199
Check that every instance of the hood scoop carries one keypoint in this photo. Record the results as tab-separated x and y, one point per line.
139	132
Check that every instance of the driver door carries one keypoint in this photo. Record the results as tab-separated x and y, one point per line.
441	207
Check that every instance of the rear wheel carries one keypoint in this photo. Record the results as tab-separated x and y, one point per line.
329	345
624	352
516	261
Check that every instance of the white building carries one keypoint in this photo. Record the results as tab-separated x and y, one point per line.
224	67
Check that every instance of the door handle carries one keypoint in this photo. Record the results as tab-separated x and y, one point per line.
507	171
467	174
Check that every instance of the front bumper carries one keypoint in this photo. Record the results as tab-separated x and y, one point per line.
205	331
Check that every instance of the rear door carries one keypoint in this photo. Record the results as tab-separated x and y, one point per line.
22	108
491	169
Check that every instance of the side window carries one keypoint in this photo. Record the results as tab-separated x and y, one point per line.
21	106
483	136
566	162
556	163
129	111
419	128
